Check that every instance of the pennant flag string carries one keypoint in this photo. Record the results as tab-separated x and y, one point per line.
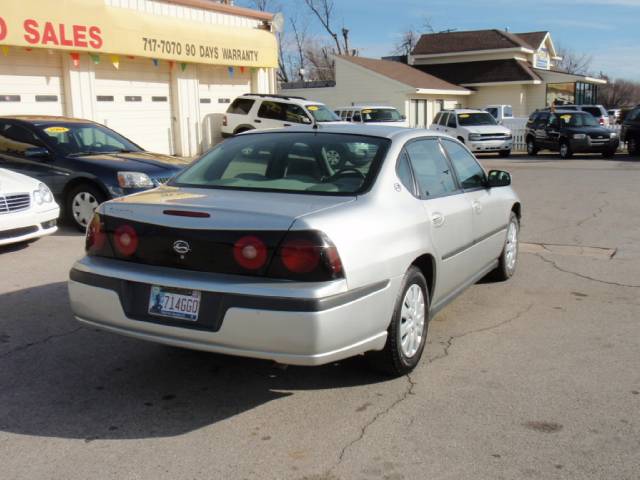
241	69
183	66
115	61
155	62
95	58
75	58
5	50
171	63
231	71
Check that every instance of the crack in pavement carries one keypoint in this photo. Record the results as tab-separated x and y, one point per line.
595	213
39	342
376	417
586	277
447	344
412	384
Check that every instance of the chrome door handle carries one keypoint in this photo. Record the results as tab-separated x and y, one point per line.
437	219
477	207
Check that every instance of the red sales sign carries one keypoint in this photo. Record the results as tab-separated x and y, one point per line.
57	34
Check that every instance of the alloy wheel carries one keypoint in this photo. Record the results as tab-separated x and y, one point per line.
511	247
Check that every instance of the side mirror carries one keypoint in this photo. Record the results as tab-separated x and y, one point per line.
36	152
306	120
498	178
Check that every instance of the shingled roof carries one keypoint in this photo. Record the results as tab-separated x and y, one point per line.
467	41
488	71
403	73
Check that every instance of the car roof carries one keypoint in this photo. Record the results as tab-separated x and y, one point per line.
280	98
382	131
463	110
43	119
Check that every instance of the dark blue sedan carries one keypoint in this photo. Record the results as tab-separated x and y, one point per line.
82	162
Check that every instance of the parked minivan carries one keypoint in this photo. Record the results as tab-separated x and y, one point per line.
372	115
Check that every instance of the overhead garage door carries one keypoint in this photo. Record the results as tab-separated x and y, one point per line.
135	100
217	89
31	83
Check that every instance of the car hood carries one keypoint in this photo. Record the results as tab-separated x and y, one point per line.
589	130
399	123
487	129
130	161
12	182
227	209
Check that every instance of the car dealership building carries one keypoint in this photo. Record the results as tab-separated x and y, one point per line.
159	72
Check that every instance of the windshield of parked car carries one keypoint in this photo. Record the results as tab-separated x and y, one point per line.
298	162
86	139
475	119
577	119
322	114
381	115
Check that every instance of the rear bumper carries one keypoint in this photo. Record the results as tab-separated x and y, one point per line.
285	322
27	225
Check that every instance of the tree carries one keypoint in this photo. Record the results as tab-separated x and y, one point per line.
574	62
618	93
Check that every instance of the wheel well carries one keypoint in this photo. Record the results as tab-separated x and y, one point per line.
427	265
529	137
517	209
82	181
461	139
243	128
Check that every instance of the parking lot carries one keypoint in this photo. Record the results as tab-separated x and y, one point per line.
533	378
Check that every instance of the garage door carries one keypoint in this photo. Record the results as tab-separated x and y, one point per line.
217	89
31	83
135	100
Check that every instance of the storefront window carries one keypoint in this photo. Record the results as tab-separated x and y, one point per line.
560	93
586	93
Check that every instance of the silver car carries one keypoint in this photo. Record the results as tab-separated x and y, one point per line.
264	248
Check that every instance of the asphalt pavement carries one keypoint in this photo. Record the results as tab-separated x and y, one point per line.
535	378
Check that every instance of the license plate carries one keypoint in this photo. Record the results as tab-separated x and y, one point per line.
174	303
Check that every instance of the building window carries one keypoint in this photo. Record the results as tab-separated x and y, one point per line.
561	93
46	98
104	98
205	100
9	98
132	98
158	99
224	100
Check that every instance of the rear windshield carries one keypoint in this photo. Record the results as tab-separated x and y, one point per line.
578	119
322	114
479	118
381	115
299	162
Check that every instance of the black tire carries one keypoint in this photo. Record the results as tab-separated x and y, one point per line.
565	150
461	140
504	153
632	146
504	271
86	189
392	360
532	149
609	154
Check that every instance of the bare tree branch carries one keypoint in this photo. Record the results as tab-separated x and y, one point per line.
574	62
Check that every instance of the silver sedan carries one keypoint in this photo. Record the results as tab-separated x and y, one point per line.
303	247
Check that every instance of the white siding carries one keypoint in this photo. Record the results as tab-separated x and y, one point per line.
514	95
31	73
536	97
186	13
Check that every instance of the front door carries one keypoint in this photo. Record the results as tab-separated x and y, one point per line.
490	212
448	212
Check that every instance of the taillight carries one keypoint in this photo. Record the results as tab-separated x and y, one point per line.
125	239
224	121
250	252
601	121
96	236
308	256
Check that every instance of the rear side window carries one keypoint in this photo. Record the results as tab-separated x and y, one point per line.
273	110
431	168
451	123
443	119
470	173
437	118
241	106
595	111
403	170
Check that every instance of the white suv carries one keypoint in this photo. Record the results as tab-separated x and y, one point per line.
477	129
257	112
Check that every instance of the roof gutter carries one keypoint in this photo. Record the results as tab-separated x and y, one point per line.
491	84
436	91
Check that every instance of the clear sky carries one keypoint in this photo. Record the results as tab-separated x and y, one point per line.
609	30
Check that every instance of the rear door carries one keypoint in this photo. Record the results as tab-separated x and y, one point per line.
540	128
489	210
448	212
271	114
